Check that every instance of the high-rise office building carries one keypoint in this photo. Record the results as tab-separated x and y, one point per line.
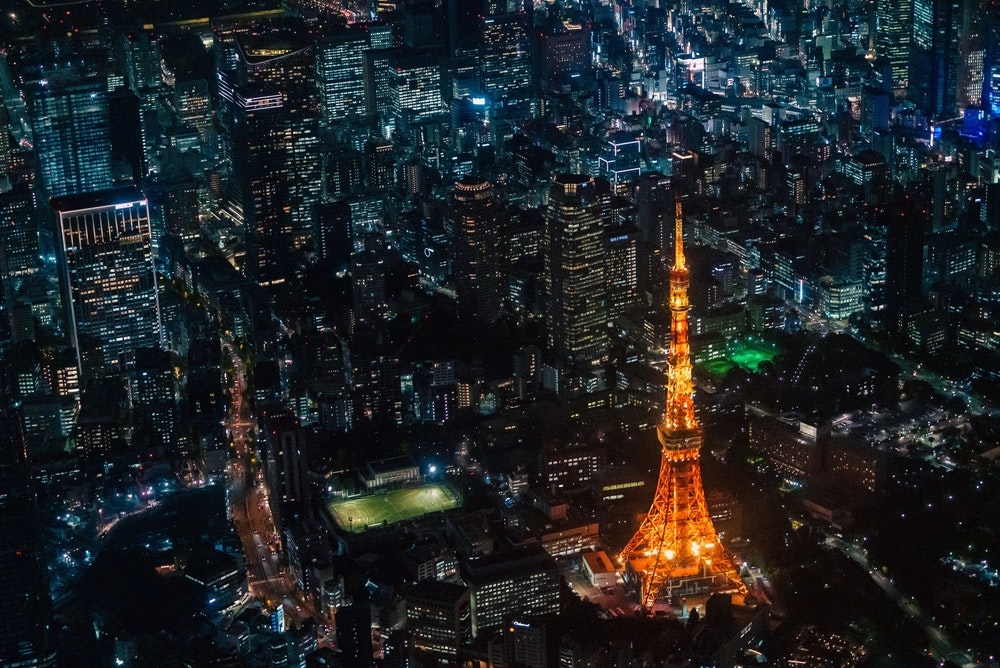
270	147
520	643
368	281
18	237
72	131
340	74
106	267
155	393
26	635
934	57
623	270
991	59
576	307
192	103
476	255
377	93
284	460
332	236
463	44
904	255
505	54
653	194
975	23
563	50
894	35
415	84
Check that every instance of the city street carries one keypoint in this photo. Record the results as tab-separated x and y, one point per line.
268	580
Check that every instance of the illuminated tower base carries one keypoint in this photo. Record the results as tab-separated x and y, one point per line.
676	550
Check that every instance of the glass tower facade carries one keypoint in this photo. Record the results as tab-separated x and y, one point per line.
109	285
72	132
575	265
476	263
340	74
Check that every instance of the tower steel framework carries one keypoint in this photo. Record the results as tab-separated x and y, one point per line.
676	549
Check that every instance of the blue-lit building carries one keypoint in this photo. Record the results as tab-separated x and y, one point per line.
72	131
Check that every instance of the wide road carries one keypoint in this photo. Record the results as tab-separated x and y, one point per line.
268	580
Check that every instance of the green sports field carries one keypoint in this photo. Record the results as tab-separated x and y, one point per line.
750	357
358	514
748	353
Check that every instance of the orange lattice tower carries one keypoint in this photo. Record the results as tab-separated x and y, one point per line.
676	549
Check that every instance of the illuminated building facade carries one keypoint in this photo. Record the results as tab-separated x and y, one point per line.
505	51
524	582
571	468
476	257
270	148
415	84
894	37
563	50
619	161
72	132
340	74
18	238
676	549
439	619
934	59
575	265
623	271
520	644
155	392
109	285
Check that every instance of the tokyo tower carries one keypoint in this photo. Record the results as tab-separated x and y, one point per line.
676	549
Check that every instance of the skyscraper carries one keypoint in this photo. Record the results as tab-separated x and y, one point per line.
623	270
415	84
576	307
18	237
72	131
934	57
505	49
270	146
904	255
284	461
476	260
155	393
991	59
340	74
106	268
894	37
439	617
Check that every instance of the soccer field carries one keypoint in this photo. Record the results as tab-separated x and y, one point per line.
356	515
748	353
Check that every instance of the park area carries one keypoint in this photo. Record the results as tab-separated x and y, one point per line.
363	512
747	353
